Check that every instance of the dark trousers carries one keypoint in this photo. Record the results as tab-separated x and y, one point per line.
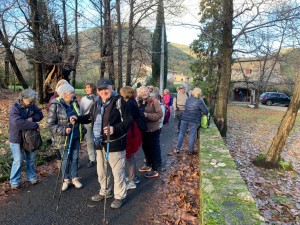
179	115
158	149
149	146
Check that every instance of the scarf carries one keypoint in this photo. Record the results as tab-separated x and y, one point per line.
97	129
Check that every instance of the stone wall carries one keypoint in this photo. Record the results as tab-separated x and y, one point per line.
224	196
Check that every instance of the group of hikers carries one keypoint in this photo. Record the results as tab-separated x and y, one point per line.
111	124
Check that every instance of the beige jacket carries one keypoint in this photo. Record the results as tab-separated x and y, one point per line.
153	114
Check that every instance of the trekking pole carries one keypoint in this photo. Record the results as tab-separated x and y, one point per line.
105	220
68	158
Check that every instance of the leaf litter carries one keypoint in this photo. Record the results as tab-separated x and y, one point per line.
277	193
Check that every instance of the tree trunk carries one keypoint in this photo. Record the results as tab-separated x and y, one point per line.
102	50
109	57
76	57
226	52
6	72
286	125
12	61
120	44
66	41
37	46
129	44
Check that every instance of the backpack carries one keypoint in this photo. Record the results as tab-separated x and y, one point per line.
171	101
31	140
141	122
205	121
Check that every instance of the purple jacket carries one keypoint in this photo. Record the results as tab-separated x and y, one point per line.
18	116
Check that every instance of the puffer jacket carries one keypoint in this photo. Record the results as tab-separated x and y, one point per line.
57	122
154	114
18	116
194	109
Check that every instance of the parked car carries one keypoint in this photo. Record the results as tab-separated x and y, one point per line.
270	98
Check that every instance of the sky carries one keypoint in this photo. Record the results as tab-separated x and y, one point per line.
184	34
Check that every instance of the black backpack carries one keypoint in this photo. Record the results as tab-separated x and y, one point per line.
31	140
141	122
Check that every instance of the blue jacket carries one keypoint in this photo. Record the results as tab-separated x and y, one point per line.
18	116
194	109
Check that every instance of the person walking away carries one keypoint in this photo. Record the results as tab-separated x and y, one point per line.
179	104
86	103
153	113
23	115
58	122
134	137
109	109
191	118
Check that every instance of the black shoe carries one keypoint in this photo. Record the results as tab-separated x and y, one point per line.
90	164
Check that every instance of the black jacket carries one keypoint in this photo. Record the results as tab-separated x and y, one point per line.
118	138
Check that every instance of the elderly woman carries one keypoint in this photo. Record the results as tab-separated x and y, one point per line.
153	113
58	121
23	115
134	137
191	117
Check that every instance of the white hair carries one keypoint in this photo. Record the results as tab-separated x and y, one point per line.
28	94
140	88
64	89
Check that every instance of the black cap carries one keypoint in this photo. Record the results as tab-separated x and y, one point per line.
103	83
181	87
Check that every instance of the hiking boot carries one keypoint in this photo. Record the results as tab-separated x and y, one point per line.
98	197
152	174
90	164
130	185
14	186
65	185
145	168
76	183
117	203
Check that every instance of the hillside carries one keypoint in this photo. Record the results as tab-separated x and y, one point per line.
180	58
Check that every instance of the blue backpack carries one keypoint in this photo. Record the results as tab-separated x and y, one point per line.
171	101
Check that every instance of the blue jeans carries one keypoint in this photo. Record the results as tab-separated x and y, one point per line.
71	170
16	168
193	131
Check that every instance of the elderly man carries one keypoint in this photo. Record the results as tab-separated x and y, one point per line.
109	115
179	104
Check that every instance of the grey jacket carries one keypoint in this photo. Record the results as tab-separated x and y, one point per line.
57	122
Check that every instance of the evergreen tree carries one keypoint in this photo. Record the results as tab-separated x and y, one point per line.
156	46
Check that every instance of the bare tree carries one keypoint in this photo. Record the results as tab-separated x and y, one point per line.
7	41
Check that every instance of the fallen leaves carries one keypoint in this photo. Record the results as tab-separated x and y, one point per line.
178	198
276	193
